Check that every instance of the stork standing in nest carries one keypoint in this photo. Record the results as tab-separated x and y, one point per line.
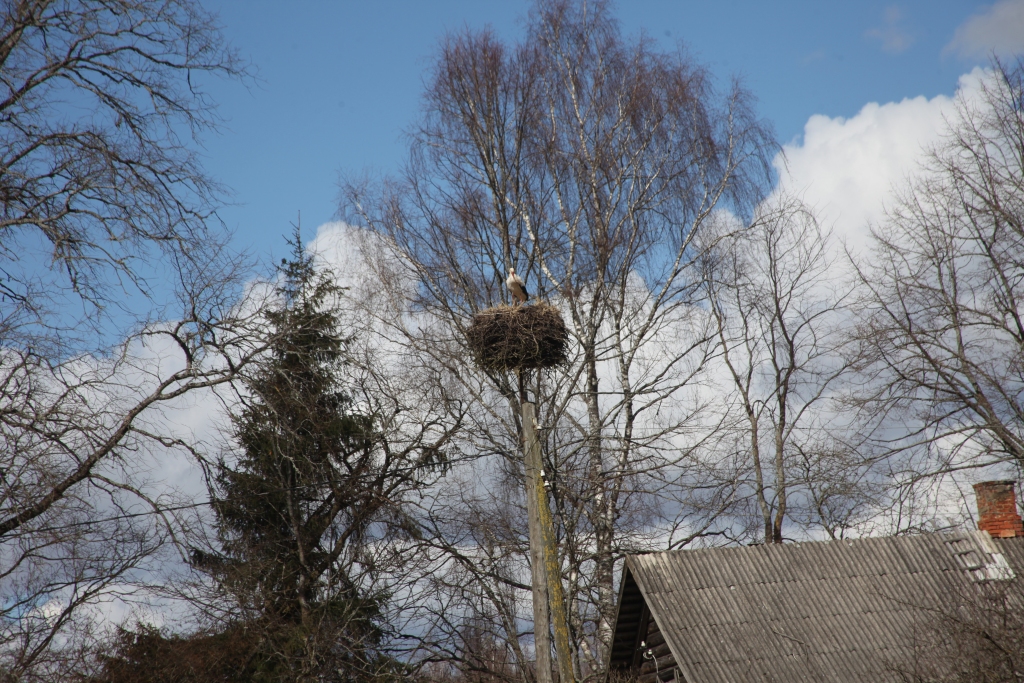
516	287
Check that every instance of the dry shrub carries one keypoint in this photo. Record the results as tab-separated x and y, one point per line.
514	337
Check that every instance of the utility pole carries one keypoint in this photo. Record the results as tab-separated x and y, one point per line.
542	544
538	564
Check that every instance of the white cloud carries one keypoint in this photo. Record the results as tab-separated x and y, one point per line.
846	168
337	245
998	29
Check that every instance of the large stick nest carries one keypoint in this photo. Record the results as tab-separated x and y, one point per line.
516	337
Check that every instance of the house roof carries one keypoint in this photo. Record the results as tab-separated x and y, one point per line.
837	611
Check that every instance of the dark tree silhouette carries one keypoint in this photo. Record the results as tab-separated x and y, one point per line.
295	506
296	509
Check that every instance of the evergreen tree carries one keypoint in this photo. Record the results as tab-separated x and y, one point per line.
294	508
315	486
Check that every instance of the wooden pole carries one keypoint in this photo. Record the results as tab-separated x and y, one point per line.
538	566
549	548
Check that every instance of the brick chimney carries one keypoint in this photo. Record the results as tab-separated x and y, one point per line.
997	509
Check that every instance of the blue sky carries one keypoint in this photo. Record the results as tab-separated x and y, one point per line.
340	81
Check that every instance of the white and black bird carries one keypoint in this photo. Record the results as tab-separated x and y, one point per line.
516	286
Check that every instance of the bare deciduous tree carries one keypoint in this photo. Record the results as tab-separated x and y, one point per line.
77	517
99	102
778	304
944	339
105	227
590	164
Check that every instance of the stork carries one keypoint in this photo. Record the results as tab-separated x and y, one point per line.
516	286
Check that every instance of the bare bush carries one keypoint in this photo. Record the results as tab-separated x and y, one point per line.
978	637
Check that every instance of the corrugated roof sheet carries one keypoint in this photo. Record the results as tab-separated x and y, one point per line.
827	612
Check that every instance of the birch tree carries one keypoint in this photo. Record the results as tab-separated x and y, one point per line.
589	163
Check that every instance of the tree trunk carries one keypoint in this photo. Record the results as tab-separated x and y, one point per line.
601	518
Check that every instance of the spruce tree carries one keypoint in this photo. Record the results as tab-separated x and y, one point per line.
314	486
294	505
